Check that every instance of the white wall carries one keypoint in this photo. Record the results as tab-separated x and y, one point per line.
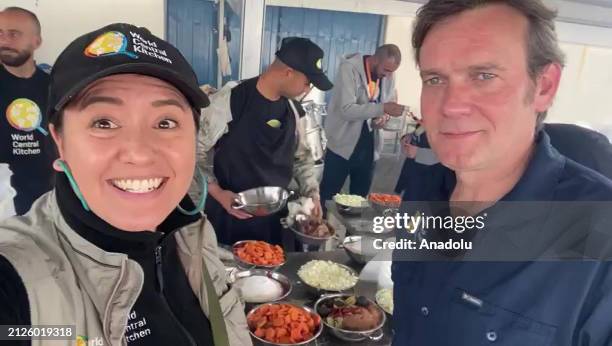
407	79
64	20
584	96
586	85
253	18
384	7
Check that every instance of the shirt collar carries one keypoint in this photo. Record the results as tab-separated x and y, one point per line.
542	175
537	184
539	180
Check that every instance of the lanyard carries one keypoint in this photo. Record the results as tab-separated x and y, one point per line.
372	86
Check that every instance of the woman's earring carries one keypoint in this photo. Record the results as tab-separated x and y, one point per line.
75	188
202	202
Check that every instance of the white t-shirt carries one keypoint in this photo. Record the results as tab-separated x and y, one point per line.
7	193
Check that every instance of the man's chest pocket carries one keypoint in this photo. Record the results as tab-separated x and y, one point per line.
269	132
478	322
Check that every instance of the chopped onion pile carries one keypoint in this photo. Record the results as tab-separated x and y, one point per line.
384	298
327	275
354	201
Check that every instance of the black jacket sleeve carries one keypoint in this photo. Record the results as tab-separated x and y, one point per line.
14	304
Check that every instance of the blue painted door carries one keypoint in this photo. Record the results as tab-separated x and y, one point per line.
191	25
337	33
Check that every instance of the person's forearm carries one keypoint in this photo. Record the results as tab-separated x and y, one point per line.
304	173
307	181
360	112
214	190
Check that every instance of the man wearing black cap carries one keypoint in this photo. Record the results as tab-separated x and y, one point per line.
251	135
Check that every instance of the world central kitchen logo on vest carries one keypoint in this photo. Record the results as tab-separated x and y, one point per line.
82	340
117	43
24	115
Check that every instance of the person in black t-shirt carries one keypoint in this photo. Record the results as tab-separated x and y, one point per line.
252	136
24	139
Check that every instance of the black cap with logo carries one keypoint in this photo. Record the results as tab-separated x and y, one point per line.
116	49
303	55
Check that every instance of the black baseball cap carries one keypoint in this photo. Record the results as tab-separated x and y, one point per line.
301	54
116	49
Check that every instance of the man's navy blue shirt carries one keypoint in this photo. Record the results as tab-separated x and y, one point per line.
526	303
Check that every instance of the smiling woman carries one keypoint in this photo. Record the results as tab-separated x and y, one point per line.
118	249
129	141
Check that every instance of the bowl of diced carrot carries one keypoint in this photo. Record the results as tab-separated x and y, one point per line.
284	324
251	254
383	201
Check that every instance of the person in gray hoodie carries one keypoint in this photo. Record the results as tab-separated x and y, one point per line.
363	99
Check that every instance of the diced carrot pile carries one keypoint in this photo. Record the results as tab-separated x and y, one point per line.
283	323
260	253
386	199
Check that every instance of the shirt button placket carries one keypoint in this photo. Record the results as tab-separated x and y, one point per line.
425	311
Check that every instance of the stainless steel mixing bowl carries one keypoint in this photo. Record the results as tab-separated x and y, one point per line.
262	201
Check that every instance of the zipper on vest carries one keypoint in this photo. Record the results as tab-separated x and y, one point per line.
158	268
160	282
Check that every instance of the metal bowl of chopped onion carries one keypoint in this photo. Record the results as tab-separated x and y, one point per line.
319	288
346	205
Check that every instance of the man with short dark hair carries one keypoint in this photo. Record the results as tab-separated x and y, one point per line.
23	98
537	269
253	136
363	99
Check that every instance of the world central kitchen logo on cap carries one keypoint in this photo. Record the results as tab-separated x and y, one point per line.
115	42
319	64
110	43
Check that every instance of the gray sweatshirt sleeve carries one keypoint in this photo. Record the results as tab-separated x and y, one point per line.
346	87
303	167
